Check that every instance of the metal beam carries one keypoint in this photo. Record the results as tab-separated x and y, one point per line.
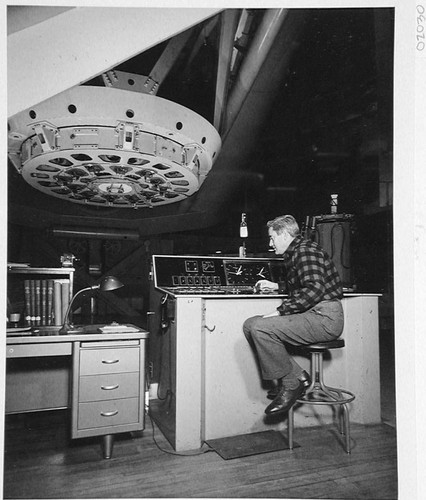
229	23
166	62
202	36
76	45
262	43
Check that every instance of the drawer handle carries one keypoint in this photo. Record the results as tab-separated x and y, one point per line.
109	387
110	361
109	413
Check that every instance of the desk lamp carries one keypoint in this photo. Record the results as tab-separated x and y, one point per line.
107	284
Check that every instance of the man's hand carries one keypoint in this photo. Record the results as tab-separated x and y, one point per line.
265	286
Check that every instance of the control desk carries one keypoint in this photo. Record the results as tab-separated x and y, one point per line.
209	373
196	275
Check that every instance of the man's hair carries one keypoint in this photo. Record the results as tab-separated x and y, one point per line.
284	223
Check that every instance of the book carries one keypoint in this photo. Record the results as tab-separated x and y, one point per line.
61	300
49	300
27	292
65	293
37	310
57	303
32	302
43	302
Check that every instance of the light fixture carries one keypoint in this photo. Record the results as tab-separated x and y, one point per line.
107	284
109	147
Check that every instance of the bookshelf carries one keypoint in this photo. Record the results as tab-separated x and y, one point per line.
40	295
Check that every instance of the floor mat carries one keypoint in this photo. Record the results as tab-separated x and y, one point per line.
244	445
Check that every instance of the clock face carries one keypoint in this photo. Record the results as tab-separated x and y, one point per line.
245	272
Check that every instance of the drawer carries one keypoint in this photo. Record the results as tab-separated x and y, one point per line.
108	413
38	350
116	360
109	386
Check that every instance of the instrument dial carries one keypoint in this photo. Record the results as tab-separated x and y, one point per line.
246	273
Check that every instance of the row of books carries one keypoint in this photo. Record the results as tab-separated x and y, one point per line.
46	301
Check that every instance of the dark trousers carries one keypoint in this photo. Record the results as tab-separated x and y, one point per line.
321	323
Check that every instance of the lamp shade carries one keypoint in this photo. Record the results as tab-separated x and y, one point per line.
109	283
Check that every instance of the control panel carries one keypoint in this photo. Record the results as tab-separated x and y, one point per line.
220	275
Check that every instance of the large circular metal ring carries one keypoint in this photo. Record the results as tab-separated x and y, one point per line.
110	147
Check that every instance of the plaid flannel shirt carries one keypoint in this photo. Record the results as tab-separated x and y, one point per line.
311	277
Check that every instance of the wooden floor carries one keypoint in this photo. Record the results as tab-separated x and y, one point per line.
41	462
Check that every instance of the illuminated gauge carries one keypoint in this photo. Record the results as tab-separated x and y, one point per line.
207	266
260	271
246	272
235	272
191	266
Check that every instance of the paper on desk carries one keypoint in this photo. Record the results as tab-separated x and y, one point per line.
115	328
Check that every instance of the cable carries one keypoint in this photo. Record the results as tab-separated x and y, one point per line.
201	452
164	326
169	392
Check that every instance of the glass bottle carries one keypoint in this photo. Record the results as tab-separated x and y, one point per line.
243	226
333	203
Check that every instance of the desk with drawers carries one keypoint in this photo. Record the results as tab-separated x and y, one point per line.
100	377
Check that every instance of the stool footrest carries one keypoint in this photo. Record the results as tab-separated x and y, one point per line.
320	397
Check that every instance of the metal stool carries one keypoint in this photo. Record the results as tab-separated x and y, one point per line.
320	394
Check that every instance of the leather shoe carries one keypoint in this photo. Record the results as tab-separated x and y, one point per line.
304	377
285	400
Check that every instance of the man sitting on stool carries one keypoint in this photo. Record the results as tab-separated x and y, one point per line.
311	313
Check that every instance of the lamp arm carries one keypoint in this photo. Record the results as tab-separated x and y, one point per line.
65	324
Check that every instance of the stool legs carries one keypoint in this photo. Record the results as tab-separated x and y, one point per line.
290	427
345	412
320	394
318	388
